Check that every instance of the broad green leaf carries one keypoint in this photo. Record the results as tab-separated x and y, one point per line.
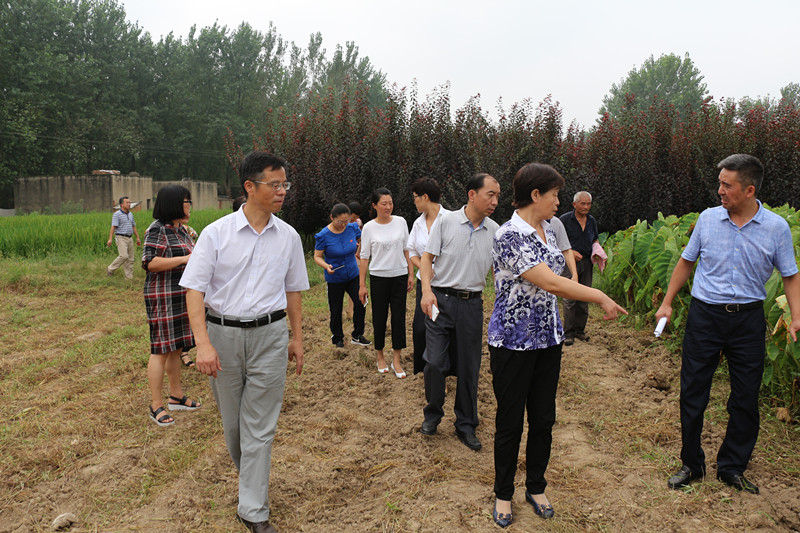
641	250
627	285
766	377
773	351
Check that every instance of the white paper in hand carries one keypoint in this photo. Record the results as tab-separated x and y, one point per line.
660	326
434	312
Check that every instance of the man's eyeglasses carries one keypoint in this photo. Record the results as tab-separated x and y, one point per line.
276	185
187	202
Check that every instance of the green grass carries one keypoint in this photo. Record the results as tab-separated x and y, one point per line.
39	236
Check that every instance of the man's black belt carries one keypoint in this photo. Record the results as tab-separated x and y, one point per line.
735	308
254	323
464	295
123	235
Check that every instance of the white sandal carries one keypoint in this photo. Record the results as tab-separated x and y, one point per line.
400	375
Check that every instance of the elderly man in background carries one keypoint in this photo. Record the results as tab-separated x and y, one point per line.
582	232
123	227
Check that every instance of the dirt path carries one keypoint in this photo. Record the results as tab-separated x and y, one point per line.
349	457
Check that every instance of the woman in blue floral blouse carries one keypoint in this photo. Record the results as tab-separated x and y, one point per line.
525	335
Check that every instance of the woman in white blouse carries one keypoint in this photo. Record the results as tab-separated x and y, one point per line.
391	276
426	193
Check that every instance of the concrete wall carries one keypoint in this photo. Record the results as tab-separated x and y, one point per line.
204	193
55	194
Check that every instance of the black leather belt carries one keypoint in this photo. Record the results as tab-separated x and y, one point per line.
735	308
123	235
254	323
464	295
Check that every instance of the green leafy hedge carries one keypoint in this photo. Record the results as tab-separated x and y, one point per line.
641	260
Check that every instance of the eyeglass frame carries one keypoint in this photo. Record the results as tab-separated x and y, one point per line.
276	185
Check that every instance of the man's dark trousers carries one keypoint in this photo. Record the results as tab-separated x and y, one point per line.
419	334
464	318
740	337
576	313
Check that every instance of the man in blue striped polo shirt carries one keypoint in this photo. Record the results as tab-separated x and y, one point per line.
123	227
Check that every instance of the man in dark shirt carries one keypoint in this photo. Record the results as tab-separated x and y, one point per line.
582	232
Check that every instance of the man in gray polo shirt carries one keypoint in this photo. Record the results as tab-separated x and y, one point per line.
461	243
123	227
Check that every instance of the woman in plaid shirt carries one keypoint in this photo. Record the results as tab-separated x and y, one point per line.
167	248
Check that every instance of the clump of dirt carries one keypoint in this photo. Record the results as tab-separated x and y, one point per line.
348	455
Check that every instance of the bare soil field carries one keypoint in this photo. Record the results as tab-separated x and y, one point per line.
348	455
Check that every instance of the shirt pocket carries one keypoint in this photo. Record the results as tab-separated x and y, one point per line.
274	269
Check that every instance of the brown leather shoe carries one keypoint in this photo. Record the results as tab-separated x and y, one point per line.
257	527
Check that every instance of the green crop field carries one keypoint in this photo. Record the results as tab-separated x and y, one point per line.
41	235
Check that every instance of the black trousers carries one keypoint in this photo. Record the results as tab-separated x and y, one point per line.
523	379
462	319
336	292
386	294
418	335
576	313
741	338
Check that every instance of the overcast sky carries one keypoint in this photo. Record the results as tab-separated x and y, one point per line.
573	50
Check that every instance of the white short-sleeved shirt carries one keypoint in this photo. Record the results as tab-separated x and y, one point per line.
384	245
244	273
418	237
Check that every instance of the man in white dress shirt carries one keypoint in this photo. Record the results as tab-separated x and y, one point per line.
245	275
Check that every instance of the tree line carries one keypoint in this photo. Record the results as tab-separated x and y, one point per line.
81	88
646	157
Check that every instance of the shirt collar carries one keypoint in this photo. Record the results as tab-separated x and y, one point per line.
525	228
242	222
757	218
462	218
424	217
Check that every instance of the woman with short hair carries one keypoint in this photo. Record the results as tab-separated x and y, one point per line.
426	193
335	250
526	335
167	249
